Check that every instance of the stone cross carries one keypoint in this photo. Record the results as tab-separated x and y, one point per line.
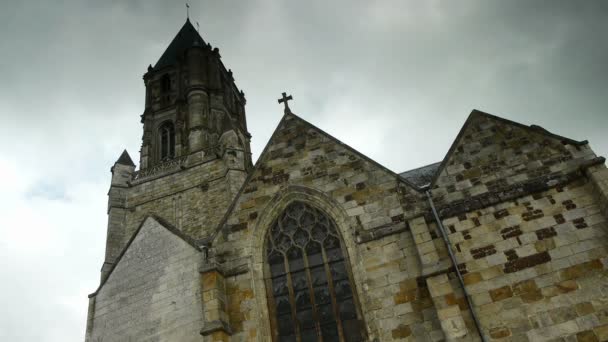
284	100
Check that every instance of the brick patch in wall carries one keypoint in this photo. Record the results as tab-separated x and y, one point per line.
501	213
532	215
525	262
481	252
510	232
580	223
545	233
511	255
569	205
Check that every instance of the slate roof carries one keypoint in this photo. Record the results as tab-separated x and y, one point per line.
422	176
125	159
186	37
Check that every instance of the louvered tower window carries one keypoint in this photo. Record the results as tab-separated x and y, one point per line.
310	287
165	83
167	141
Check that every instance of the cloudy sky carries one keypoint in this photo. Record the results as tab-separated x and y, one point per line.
394	79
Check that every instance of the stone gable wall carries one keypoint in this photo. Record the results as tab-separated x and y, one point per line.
492	155
152	294
369	205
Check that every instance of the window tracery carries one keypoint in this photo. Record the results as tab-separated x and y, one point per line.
311	293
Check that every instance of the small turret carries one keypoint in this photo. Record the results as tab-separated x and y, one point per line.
122	173
123	169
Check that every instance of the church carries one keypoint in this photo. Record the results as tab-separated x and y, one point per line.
505	239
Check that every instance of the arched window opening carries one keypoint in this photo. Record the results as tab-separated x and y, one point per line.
310	287
167	141
165	83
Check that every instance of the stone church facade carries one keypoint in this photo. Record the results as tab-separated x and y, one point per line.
503	240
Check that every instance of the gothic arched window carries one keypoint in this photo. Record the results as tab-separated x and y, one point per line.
309	285
167	140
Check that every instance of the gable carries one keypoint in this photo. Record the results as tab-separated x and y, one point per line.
300	154
156	224
491	153
158	270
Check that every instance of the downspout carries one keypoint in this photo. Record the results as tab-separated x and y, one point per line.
448	246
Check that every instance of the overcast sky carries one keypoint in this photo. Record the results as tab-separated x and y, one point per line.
394	79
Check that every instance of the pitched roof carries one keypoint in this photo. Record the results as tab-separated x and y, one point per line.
186	37
422	176
125	159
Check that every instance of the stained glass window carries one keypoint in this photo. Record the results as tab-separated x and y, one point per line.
310	285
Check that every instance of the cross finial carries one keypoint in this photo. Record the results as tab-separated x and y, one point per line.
284	100
187	11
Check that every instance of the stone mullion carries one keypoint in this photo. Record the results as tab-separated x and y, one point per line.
272	305
334	301
292	298
312	295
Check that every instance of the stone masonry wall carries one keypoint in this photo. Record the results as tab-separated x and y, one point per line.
370	206
152	294
536	266
193	200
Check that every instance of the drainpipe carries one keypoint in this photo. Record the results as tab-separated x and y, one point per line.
444	235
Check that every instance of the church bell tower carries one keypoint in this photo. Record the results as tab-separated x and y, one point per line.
191	102
195	151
